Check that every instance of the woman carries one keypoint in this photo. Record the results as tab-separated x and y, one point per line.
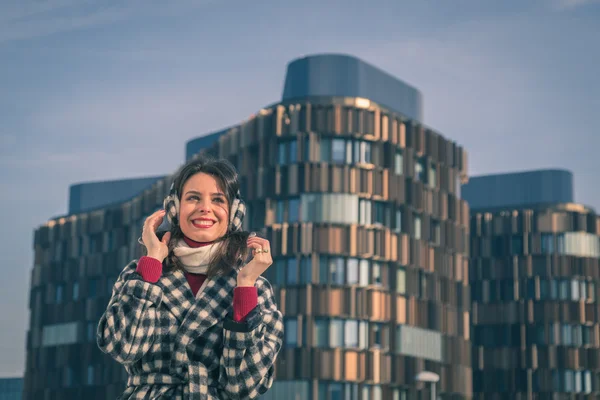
190	320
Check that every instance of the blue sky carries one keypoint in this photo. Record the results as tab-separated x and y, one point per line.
96	90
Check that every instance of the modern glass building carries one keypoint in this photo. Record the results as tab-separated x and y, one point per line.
534	286
370	238
11	388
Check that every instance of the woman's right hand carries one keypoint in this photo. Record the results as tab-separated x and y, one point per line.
157	249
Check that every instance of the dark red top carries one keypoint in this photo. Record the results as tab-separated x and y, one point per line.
245	298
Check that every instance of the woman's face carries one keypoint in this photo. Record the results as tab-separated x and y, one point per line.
203	209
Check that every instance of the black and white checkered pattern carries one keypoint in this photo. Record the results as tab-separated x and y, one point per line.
175	346
236	214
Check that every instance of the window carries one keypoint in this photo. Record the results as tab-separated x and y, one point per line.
364	272
352	275
110	283
294	210
417	227
59	334
282	153
292	271
363	335
547	243
351	333
321	332
401	280
325	150
432	181
398	222
398	163
90	375
329	208
91	331
306	270
279	216
365	212
338	151
69	379
376	274
92	287
335	391
434	232
293	152
336	333
516	245
420	171
378	335
291	332
575	290
418	342
75	291
60	288
336	270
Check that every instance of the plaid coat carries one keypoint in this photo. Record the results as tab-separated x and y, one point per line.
175	346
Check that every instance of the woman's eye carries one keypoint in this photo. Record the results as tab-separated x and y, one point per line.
194	198
218	199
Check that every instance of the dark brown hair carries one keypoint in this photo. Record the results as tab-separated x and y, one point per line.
234	249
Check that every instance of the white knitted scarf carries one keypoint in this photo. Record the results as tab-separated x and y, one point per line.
195	259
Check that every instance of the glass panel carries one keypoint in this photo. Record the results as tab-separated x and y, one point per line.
75	290
292	271
293	152
321	333
93	287
294	210
59	293
564	289
399	164
352	271
291	332
398	223
363	337
90	375
336	269
401	280
364	272
432	181
417	227
338	151
336	333
574	290
351	333
279	218
325	150
376	274
323	270
335	391
306	270
282	153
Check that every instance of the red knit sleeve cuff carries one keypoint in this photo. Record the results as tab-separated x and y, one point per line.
149	268
245	298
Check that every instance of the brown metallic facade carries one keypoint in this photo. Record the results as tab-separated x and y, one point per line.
370	245
535	279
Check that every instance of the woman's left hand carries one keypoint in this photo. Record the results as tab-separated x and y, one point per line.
261	260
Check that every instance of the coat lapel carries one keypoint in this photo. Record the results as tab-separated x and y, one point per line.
211	306
177	294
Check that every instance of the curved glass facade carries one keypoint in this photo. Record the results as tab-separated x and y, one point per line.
534	280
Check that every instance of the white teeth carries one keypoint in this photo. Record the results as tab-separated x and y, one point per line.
203	224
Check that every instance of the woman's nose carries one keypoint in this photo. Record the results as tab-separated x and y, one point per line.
204	206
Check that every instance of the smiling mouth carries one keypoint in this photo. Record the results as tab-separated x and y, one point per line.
202	224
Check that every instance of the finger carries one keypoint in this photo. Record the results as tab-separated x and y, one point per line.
263	243
153	217
166	238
